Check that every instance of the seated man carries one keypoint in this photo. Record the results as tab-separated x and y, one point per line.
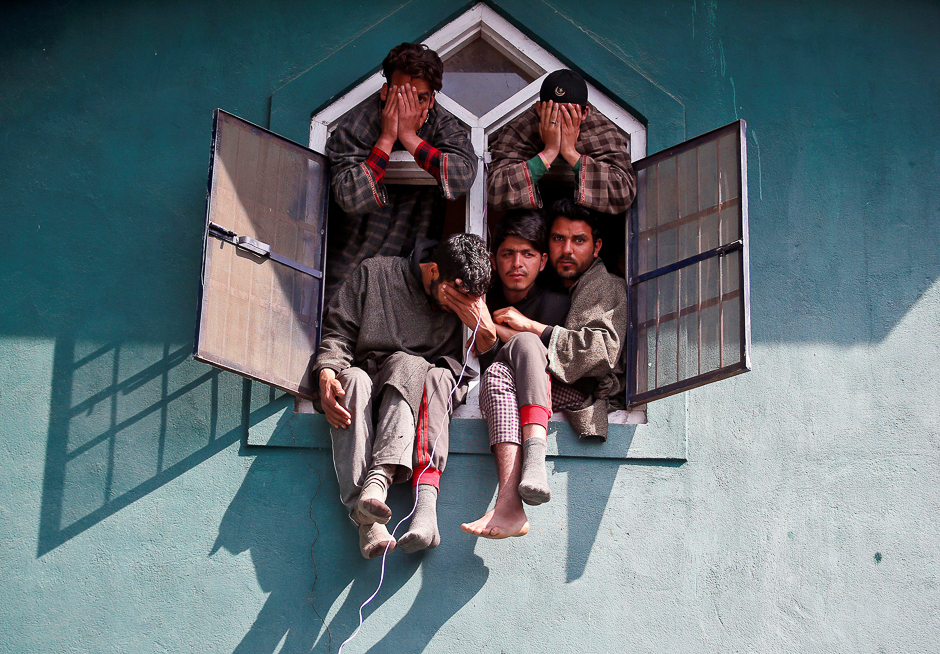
382	220
562	123
388	365
584	357
517	362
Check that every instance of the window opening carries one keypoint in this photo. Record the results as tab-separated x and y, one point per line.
479	77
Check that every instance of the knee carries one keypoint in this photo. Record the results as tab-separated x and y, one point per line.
524	344
439	378
353	378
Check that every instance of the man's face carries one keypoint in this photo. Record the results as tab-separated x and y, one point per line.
399	79
518	263
571	249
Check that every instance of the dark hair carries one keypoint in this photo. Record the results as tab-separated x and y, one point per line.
464	257
417	60
567	208
526	224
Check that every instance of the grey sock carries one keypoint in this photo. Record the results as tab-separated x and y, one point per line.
533	487
422	532
371	506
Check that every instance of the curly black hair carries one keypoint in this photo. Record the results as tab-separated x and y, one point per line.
464	257
417	60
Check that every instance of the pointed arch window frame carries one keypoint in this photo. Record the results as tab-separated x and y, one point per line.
481	22
478	22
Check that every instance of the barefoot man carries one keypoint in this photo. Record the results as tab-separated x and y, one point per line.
584	358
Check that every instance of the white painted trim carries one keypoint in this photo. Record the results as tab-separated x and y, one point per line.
480	22
457	109
476	198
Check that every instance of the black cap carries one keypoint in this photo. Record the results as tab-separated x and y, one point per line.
564	86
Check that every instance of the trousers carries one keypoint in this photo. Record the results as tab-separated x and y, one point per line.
517	390
384	431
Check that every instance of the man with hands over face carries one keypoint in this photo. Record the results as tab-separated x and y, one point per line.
562	133
389	359
380	219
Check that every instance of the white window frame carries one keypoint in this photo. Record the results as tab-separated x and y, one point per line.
479	22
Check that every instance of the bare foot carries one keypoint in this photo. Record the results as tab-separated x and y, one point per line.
493	525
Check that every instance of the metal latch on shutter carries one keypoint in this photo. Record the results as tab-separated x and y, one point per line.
259	249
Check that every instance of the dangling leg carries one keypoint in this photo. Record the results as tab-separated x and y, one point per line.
371	506
498	402
527	357
431	445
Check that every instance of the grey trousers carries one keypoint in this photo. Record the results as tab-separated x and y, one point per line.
391	435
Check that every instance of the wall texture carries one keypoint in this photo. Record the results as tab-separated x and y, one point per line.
135	520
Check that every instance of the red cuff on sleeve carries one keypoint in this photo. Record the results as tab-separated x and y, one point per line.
533	414
377	161
429	158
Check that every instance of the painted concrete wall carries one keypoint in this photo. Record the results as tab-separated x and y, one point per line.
135	520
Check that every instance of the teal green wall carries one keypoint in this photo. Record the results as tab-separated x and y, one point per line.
134	518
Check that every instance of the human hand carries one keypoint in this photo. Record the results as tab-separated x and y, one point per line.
550	129
512	318
471	310
570	117
330	390
411	117
389	133
505	333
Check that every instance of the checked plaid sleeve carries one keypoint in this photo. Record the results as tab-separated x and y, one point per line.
377	161
429	158
606	181
510	184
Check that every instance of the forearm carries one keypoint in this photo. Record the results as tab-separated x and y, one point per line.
616	194
587	352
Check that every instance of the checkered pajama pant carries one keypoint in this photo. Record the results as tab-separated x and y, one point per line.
501	389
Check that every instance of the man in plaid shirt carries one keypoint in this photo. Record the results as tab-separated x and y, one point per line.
561	137
380	220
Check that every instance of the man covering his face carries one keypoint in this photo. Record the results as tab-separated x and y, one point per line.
562	133
385	220
575	366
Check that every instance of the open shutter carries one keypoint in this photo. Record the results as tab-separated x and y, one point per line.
261	291
689	286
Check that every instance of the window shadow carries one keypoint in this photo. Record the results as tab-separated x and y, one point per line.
306	558
121	425
589	489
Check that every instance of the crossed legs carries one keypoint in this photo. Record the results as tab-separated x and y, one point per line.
367	460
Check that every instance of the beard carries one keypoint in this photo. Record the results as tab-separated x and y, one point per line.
435	296
569	273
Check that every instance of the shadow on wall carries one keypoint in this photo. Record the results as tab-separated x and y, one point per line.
125	420
306	557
